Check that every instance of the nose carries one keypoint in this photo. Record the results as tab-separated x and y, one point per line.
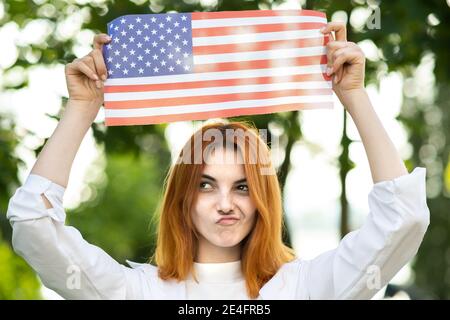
225	203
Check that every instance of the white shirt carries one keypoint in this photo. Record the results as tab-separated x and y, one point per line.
217	281
364	261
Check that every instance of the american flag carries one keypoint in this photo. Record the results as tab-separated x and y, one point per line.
200	65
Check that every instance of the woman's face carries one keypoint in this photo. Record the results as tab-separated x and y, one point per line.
224	213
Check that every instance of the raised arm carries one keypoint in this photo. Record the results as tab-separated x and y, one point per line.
58	253
347	63
366	259
84	82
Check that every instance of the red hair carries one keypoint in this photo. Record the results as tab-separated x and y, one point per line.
263	251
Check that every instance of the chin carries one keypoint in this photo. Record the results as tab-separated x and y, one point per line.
227	242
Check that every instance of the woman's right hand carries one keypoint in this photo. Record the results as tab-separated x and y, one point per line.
85	76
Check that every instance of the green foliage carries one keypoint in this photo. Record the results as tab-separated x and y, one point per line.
119	215
8	163
17	280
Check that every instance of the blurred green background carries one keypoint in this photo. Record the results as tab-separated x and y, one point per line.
119	200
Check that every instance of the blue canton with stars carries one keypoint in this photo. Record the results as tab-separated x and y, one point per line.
149	45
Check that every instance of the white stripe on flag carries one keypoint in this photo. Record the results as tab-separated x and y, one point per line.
256	37
251	21
192	77
278	54
159	111
216	90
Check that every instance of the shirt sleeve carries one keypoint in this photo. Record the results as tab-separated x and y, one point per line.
64	261
368	258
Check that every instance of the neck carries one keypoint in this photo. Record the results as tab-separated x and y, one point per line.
209	253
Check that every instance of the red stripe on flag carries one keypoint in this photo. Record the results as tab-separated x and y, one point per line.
215	83
260	64
255	13
259	46
212	98
216	114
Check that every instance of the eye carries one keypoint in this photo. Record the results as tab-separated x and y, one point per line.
242	187
205	185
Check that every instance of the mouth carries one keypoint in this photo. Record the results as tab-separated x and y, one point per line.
228	221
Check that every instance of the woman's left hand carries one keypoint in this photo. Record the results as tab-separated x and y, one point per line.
346	61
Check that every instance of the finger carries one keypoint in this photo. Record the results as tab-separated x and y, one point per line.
99	63
338	27
341	56
331	49
80	66
89	61
328	38
334	45
331	37
101	39
339	75
340	72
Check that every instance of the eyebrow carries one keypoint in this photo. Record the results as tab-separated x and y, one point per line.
214	180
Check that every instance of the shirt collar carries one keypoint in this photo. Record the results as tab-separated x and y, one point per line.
225	272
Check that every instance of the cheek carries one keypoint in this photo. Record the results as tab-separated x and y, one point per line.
253	214
202	211
204	205
247	207
251	218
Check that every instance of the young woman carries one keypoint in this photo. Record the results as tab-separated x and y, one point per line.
221	222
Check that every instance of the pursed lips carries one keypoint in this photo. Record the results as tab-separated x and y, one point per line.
228	221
